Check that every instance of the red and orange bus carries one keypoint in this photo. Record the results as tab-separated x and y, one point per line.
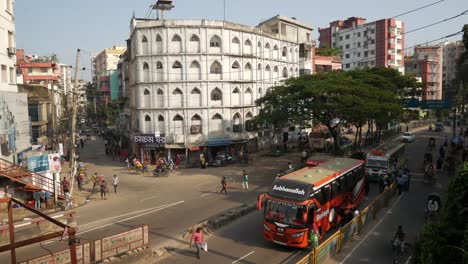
311	196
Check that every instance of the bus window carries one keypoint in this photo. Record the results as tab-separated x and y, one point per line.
312	209
319	196
342	184
326	193
335	190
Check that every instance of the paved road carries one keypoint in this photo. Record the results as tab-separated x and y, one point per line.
168	205
242	242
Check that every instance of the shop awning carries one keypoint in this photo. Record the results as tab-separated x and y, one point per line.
215	143
175	146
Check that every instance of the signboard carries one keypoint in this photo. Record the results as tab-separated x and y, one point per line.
436	104
38	163
291	189
149	139
54	162
410	103
83	255
214	143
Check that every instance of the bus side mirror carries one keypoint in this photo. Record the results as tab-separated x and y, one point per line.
260	201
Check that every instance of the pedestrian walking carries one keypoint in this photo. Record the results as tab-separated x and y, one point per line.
245	180
405	179
224	185
304	156
47	197
65	185
94	180
115	183
197	239
82	143
400	184
68	203
79	180
104	190
290	167
127	164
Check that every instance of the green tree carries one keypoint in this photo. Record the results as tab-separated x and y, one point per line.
447	241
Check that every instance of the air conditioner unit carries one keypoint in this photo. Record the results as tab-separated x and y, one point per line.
11	51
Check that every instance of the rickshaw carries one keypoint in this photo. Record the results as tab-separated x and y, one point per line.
435	201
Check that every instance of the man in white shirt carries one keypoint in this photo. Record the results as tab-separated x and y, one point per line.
115	183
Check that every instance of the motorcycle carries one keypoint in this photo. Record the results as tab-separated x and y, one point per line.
161	172
398	247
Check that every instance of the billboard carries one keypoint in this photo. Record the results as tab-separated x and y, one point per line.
38	163
54	162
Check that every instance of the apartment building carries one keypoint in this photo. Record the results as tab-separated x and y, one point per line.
452	51
366	44
426	63
194	83
105	73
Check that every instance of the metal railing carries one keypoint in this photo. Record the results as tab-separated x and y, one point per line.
19	174
332	245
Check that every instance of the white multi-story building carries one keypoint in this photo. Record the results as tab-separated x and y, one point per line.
195	82
14	122
377	43
452	51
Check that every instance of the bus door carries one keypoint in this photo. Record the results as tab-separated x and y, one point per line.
260	201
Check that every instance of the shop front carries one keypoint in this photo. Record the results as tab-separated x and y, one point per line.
150	147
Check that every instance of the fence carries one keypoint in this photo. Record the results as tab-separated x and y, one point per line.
98	250
334	243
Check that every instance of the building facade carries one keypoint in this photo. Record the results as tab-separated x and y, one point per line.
104	71
14	122
378	43
194	82
426	63
452	51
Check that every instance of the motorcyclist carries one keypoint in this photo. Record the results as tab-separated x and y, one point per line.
399	236
432	207
430	127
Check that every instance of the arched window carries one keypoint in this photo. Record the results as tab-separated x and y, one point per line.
178	122
267	45
216	123
195	98
260	92
196	124
235	46
275	69
267	72
146	98
259	50
216	95
215	71
247	47
194	72
248	71
236	123
194	44
161	125
284	53
178	98
176	73
159	71
158	44
176	45
248	122
285	72
297	72
291	72
275	72
291	54
144	45
146	72
148	127
259	72
236	97
266	52
159	99
248	97
275	52
235	71
215	42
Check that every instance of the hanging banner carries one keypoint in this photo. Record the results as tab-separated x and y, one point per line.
54	162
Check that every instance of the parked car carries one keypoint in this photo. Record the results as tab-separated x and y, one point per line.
407	137
439	126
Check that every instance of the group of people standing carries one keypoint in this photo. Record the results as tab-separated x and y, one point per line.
99	181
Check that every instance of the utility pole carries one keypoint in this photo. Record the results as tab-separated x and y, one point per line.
73	121
54	115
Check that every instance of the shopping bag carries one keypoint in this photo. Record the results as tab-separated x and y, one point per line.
204	246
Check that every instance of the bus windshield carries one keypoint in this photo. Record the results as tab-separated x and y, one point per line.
372	163
285	213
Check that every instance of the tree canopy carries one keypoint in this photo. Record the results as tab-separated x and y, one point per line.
352	97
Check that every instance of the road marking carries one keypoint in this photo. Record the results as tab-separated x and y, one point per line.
206	194
117	216
151	197
130	218
243	257
372	230
28	223
408	260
